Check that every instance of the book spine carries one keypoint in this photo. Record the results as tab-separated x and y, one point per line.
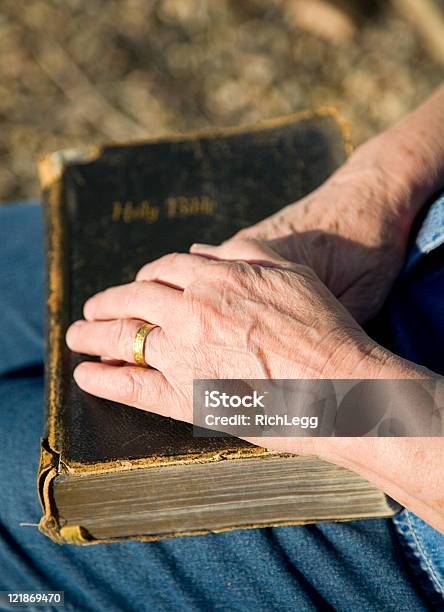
51	179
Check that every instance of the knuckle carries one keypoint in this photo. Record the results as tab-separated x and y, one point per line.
132	294
233	273
265	280
243	274
202	307
171	257
132	387
169	260
120	334
241	234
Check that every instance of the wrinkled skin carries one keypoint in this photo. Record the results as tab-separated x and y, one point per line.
220	320
355	245
284	299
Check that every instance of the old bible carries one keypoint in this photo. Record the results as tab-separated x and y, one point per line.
110	472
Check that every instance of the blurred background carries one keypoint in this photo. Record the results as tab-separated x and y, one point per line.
76	72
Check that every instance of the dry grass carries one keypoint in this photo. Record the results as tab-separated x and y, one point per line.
75	72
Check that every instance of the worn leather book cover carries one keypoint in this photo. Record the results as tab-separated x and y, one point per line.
112	472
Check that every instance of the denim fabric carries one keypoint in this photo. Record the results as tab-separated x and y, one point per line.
21	281
415	318
414	312
424	547
359	565
430	235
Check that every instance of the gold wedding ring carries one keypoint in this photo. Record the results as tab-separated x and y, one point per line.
139	343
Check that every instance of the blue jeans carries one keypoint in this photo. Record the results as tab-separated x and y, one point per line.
360	565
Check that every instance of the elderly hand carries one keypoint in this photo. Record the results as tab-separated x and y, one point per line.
353	230
274	319
237	320
216	320
350	231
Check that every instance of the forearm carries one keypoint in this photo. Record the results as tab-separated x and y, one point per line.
375	196
403	167
408	469
415	149
407	161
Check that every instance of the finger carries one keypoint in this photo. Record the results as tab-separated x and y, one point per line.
139	300
111	361
114	339
252	251
130	385
175	269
